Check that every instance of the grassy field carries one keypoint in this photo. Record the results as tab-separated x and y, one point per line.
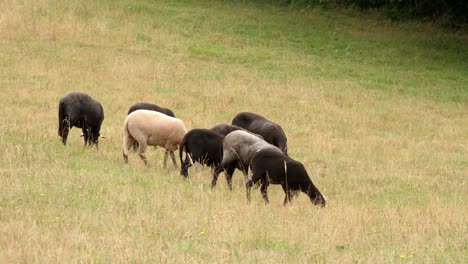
376	111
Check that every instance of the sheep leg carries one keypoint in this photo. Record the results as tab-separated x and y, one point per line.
166	154
128	142
125	157
142	153
216	172
263	189
287	197
229	171
85	134
250	182
92	136
173	158
248	187
65	130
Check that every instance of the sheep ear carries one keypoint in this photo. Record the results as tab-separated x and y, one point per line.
82	136
101	136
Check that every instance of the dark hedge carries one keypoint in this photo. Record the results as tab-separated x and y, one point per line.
452	13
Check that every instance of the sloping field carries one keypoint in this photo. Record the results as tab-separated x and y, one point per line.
376	111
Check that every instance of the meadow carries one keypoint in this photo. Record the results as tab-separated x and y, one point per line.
376	111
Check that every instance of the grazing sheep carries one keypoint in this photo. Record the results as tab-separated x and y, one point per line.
203	146
80	110
271	132
154	129
206	147
238	149
148	106
275	167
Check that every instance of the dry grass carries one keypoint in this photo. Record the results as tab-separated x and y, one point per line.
391	159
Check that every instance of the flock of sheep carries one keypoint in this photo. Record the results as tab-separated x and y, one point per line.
251	144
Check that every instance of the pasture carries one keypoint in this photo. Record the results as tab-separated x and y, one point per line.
376	111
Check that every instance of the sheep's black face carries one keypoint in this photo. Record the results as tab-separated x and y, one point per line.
184	168
316	197
94	138
319	200
184	172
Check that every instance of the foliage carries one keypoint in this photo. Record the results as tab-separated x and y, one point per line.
452	13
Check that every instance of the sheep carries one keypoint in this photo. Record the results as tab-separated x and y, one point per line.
206	147
203	146
238	149
154	129
271	132
268	166
148	106
80	110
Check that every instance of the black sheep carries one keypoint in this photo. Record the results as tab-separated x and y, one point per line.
203	146
82	111
238	149
271	132
274	167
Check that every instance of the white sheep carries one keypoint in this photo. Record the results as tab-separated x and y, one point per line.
153	129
